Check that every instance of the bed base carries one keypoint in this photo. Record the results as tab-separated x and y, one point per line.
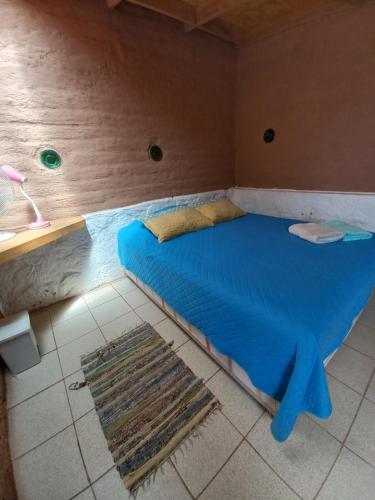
230	366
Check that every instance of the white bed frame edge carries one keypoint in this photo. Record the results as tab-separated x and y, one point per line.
230	366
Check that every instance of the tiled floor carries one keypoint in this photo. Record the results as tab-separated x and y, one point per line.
59	451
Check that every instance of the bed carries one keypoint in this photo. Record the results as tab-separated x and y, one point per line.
270	307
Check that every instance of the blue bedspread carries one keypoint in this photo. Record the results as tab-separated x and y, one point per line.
274	303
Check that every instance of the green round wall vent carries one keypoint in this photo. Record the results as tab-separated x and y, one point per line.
50	158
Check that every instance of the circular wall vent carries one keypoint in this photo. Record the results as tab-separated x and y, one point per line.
155	152
50	158
269	135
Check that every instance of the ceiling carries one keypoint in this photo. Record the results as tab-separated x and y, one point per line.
242	21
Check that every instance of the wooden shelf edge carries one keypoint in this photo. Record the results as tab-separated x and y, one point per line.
29	240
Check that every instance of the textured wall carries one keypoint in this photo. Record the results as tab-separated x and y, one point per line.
98	85
355	208
314	84
78	262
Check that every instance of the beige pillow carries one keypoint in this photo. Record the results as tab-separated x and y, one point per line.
220	211
166	227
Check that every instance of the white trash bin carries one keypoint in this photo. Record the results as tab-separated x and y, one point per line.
18	346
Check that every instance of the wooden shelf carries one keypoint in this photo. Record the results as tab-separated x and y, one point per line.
30	239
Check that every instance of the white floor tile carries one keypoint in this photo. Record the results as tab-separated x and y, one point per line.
167	486
197	360
171	332
67	309
110	310
70	354
100	296
37	419
371	302
370	394
45	341
345	405
81	400
124	286
136	298
352	368
71	329
121	325
202	460
54	470
241	409
96	455
151	313
85	495
368	315
41	323
362	338
40	318
362	435
351	478
304	460
247	476
33	380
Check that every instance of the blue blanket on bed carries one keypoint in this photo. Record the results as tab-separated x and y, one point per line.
275	304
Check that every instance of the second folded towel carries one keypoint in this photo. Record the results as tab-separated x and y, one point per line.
350	232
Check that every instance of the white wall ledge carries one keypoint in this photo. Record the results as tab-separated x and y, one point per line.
356	208
79	262
87	259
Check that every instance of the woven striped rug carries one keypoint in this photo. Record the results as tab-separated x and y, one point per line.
147	400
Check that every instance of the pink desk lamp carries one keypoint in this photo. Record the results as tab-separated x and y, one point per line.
20	179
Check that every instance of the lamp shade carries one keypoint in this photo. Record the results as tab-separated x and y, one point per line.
13	174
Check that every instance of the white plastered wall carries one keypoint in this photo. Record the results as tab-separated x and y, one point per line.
87	259
356	208
78	262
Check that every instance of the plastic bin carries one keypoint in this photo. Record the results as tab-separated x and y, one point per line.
18	346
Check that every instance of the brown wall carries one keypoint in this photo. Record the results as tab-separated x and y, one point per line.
98	85
315	85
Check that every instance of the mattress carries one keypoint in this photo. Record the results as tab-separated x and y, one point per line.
275	304
230	366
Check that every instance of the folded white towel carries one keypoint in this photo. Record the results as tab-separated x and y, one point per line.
315	233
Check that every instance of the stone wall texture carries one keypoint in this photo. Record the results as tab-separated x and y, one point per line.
314	84
79	261
99	85
355	208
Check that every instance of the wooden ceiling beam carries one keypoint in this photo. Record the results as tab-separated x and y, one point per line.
209	10
226	31
179	10
113	3
186	13
210	15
